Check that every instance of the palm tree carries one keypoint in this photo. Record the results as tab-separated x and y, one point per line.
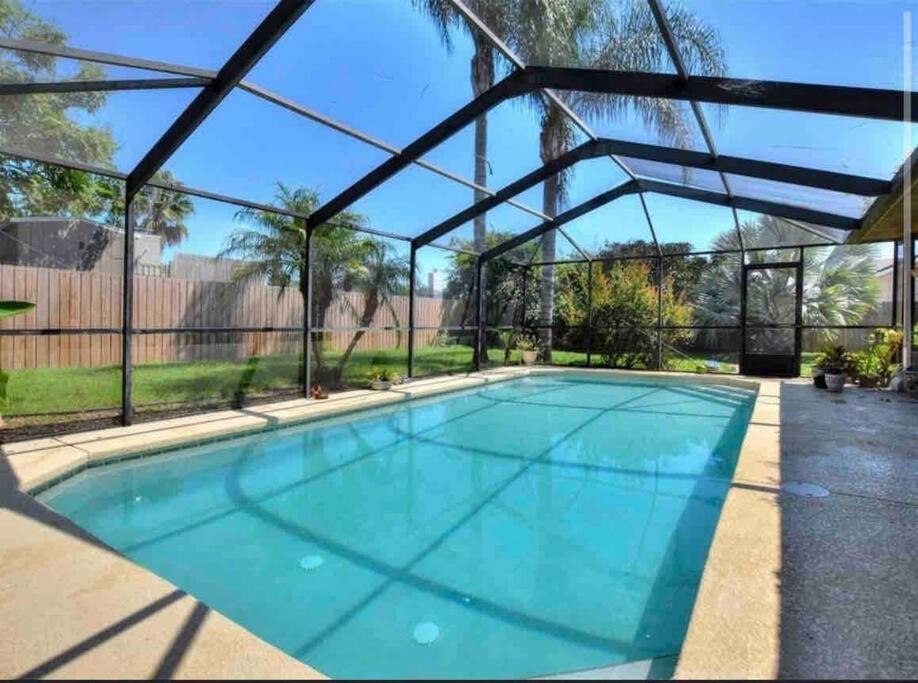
594	34
499	16
163	212
380	275
840	286
342	259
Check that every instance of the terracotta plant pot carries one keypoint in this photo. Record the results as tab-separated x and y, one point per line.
835	381
529	357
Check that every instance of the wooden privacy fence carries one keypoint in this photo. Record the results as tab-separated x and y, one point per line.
67	299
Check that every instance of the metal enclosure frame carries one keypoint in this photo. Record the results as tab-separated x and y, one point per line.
524	79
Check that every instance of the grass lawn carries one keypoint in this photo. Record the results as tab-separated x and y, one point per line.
71	390
807	361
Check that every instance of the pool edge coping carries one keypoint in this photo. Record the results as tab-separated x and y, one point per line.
45	462
734	631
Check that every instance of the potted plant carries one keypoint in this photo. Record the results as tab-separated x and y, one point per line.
382	379
835	362
7	310
819	373
527	348
869	371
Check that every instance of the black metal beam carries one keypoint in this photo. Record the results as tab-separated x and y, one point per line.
669	39
772	208
73	165
328	122
284	14
753	168
653	231
480	311
587	150
203	194
56	87
252	88
629	187
872	103
36	47
307	317
509	87
412	274
574	244
127	316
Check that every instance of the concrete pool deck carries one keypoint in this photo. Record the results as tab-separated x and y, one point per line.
793	586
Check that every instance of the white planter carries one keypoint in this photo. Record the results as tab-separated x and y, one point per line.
835	381
529	357
380	385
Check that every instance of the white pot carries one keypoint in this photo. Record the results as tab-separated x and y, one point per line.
835	381
529	357
380	385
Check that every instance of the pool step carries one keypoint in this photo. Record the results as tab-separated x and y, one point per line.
646	669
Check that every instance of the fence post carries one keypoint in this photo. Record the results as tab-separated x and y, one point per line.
412	262
127	312
742	313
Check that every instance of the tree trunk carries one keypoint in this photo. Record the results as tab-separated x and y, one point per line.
322	298
366	319
482	74
547	285
553	143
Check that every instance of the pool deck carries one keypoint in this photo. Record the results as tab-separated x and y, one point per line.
793	587
815	587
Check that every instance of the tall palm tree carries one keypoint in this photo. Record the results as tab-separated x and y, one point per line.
499	16
619	36
342	259
163	212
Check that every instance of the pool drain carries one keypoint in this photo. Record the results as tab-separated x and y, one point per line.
426	633
796	488
311	562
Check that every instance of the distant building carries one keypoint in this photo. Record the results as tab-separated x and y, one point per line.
75	244
435	283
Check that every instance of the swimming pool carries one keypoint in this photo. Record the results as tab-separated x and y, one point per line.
541	525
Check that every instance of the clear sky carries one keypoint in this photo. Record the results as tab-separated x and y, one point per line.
379	66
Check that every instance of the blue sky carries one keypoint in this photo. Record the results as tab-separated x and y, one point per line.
379	66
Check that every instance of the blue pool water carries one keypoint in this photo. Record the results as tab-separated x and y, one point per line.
536	526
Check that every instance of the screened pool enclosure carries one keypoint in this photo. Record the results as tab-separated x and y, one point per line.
215	204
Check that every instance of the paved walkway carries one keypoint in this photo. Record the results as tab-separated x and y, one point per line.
849	579
823	586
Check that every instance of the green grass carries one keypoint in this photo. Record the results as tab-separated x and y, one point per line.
71	390
55	390
807	361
